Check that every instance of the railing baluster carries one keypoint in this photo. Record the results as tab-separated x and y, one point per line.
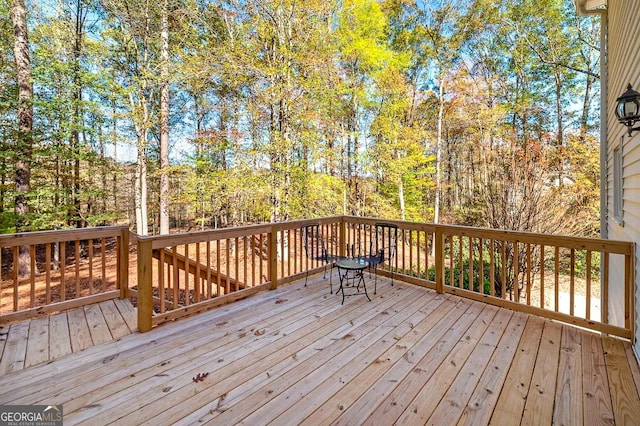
528	274
460	264
572	283
245	260
481	265
605	290
261	258
90	250
492	268
219	268
227	285
103	261
542	272
176	277
77	254
253	260
504	268
516	272
16	285
471	264
187	263
237	264
161	292
208	289
588	285
282	253
197	285
32	275
63	283
418	250
451	256
556	289
410	252
47	272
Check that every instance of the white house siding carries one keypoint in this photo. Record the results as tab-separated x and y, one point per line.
623	68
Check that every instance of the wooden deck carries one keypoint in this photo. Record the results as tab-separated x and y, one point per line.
295	355
28	343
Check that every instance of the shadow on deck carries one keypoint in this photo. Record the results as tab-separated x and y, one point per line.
295	355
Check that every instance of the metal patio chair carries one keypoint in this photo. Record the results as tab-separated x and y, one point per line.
315	250
382	248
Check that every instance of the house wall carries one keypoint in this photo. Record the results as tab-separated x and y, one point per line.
623	68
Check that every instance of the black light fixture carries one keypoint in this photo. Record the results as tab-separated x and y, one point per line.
628	109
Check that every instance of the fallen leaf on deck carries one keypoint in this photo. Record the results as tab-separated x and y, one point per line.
200	377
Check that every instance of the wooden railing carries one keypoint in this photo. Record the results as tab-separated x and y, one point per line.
181	274
557	277
563	278
49	271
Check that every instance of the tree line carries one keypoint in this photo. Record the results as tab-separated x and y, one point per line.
474	112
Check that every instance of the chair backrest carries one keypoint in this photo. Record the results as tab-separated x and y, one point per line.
314	247
384	241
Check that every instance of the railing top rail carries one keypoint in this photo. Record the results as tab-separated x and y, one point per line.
579	243
160	241
55	236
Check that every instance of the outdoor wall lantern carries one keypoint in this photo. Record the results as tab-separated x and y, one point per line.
628	109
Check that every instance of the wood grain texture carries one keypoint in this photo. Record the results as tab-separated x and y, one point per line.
540	401
624	394
295	355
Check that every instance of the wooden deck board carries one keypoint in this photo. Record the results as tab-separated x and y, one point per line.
152	361
362	370
98	328
397	338
635	367
15	348
59	339
296	346
624	396
568	399
216	352
38	342
540	401
4	331
295	355
128	312
514	392
595	384
480	406
432	392
62	333
72	372
112	316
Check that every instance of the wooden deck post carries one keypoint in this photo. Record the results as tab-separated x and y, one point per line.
439	236
123	263
145	293
629	296
272	240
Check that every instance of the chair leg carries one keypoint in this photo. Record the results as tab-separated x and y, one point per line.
375	280
331	279
305	278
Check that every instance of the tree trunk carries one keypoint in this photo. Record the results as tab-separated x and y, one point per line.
24	139
436	201
164	122
76	98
